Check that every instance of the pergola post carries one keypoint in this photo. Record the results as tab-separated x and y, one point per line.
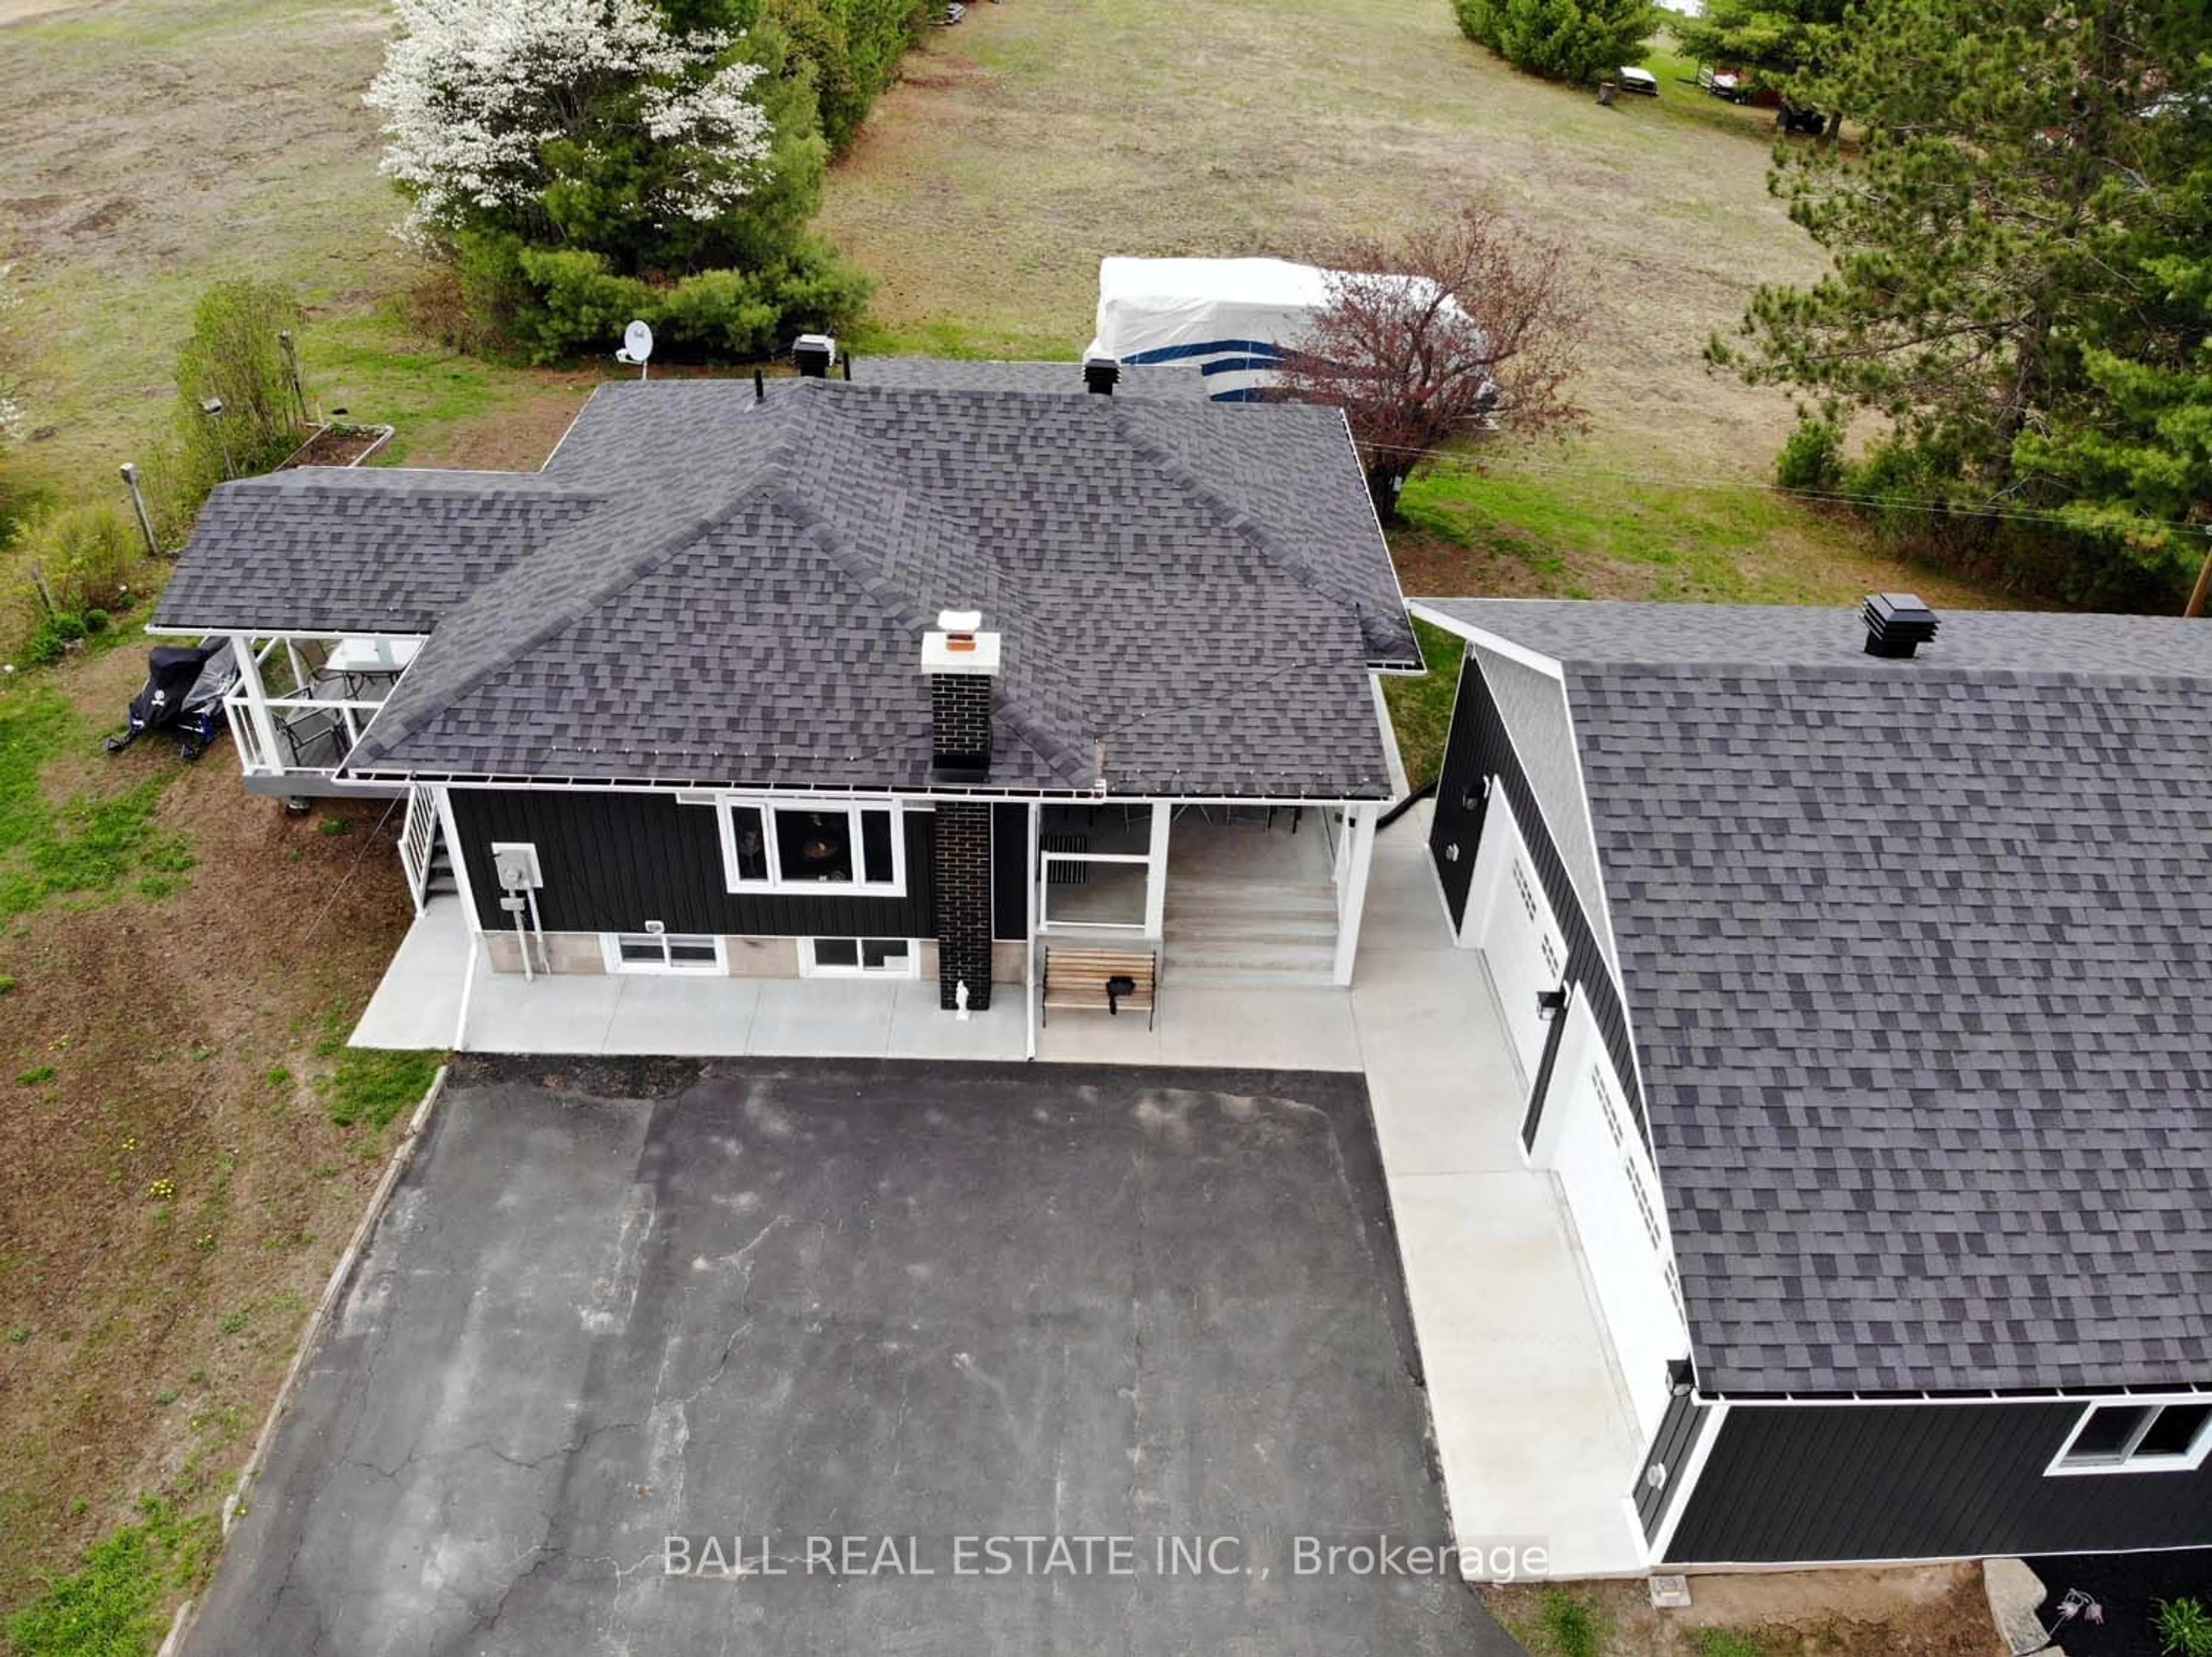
1352	898
1156	871
257	701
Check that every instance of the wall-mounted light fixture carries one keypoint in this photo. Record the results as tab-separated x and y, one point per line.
1681	1377
1550	1003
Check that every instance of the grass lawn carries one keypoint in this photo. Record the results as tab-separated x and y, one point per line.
156	147
1036	137
185	1145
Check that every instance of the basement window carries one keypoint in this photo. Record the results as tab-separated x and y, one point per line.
660	952
858	958
2139	1436
782	846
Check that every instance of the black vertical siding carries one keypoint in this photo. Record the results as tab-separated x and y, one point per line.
1671	1448
1805	1483
1010	887
1456	827
1479	748
614	861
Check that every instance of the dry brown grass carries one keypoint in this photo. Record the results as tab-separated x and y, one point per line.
1037	137
1928	1610
146	1326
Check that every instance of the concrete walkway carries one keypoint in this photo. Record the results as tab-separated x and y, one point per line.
1536	1439
1535	1434
420	990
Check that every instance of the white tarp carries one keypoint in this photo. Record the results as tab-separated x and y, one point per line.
1232	319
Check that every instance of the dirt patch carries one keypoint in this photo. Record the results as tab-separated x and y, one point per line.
1934	1611
515	439
336	446
173	1194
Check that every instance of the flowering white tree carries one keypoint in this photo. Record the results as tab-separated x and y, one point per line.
479	96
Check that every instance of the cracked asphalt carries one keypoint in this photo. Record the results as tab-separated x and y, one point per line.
906	1309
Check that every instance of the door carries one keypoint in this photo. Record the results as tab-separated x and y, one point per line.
1612	1194
1522	944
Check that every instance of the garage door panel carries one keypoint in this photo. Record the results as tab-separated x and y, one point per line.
1525	951
1613	1197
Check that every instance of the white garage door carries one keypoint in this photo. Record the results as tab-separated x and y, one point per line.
1521	945
1613	1196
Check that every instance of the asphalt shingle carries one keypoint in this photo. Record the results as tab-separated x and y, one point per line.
1192	592
1916	955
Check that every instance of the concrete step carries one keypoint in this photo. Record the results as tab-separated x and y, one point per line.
1255	931
1173	978
1189	898
1248	965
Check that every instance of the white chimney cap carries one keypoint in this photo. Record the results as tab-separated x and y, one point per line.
957	648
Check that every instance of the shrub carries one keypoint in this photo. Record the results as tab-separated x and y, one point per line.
1572	40
84	554
236	354
660	164
851	48
1813	459
556	302
2185	1628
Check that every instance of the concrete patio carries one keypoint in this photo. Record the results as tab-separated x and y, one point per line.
1533	1431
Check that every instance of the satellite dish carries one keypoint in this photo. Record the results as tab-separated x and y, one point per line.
637	346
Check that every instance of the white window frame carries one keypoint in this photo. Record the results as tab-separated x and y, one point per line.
611	952
2127	1461
725	805
809	968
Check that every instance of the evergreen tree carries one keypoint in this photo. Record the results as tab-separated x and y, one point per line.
1777	37
587	162
1572	40
2003	244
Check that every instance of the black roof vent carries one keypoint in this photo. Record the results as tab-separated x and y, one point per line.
1897	623
1100	375
813	354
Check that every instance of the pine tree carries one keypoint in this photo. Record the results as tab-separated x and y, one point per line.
2029	167
1572	40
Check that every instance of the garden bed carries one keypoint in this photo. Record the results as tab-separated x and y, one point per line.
331	444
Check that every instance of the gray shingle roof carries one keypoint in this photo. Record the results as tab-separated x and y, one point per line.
359	549
1198	587
1916	956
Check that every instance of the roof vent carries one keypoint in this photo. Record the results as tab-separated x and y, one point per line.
1897	623
813	354
1101	374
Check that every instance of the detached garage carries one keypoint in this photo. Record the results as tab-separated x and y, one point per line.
1854	965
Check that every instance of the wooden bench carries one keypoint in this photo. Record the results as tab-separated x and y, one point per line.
1077	977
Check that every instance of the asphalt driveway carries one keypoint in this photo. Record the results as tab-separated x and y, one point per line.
837	1326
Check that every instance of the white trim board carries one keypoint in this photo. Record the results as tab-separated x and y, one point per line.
1542	663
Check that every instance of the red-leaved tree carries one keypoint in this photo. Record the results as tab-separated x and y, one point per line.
1464	329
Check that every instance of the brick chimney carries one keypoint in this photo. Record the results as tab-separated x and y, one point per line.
961	661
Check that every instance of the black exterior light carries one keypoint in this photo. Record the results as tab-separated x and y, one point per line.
1550	1003
1681	1377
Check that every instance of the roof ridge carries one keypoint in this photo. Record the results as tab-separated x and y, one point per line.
1233	517
903	608
621	575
